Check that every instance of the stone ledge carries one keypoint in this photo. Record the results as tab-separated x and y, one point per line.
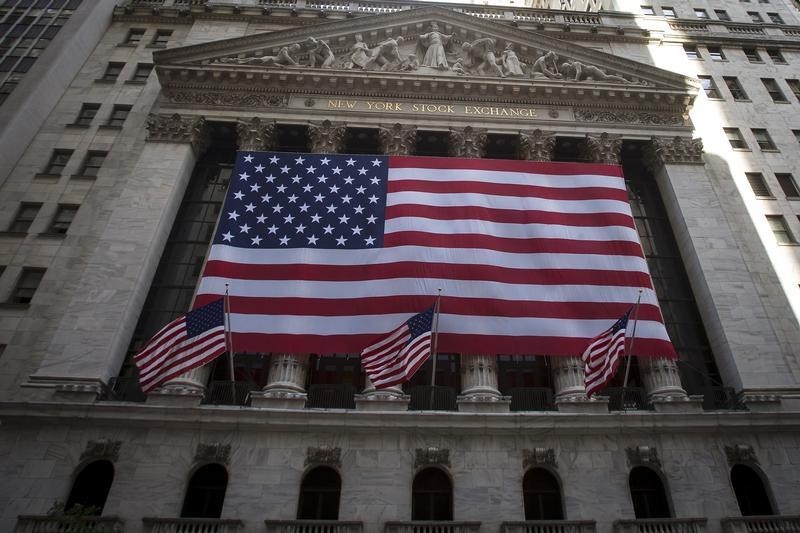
382	401
484	403
678	404
278	399
583	405
176	396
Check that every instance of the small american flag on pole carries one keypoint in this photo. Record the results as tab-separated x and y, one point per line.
396	356
603	354
189	341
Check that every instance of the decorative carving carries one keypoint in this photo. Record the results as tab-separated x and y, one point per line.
602	149
227	98
536	145
539	457
643	456
255	134
386	56
546	67
467	142
432	457
102	449
512	66
740	454
672	151
629	117
576	71
479	58
213	453
398	140
324	455
431	47
326	137
284	58
359	53
319	53
176	129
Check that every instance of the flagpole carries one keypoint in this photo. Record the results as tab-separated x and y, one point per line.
633	338
435	342
229	337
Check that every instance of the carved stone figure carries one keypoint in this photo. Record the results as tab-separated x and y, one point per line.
546	67
479	57
319	53
511	63
360	53
386	56
282	59
431	47
577	71
410	63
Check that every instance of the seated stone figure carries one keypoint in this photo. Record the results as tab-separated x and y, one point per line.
546	67
319	53
386	56
479	57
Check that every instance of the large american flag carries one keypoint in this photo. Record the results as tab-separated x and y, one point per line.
325	252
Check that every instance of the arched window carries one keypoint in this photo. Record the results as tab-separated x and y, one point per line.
205	493
319	495
91	486
648	494
750	491
541	495
431	496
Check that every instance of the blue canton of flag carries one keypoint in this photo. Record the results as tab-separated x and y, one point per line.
286	200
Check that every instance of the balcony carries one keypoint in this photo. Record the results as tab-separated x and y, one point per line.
191	525
627	399
427	398
661	525
432	527
532	399
721	398
69	524
228	393
339	396
761	524
312	526
124	389
549	526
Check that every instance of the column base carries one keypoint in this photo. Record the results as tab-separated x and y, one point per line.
77	392
679	403
578	404
761	402
484	403
176	396
278	399
382	401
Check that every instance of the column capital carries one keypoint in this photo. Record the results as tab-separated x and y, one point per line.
178	129
673	151
398	139
603	148
467	142
327	137
255	134
537	145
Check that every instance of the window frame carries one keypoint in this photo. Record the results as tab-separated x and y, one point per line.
19	294
157	41
752	55
758	184
764	140
89	165
776	56
722	15
57	225
701	13
775	18
735	88
779	220
755	17
788	185
134	36
692	52
669	12
710	88
52	163
794	86
716	53
86	115
115	121
108	74
774	90
25	217
137	77
729	132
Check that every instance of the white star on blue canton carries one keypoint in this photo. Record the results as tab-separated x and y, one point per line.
259	168
284	240
273	160
312	240
340	241
376	162
227	236
248	158
256	240
362	171
350	162
238	195
299	160
244	229
370	241
324	161
244	176
233	215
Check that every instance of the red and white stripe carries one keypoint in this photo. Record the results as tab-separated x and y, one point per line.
602	358
391	361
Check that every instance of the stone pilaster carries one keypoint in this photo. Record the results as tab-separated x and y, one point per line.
327	137
673	151
177	129
603	148
536	145
285	387
479	392
255	134
388	399
398	139
568	375
467	142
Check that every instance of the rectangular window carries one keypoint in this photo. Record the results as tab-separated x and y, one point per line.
27	284
763	139
755	16
92	163
796	135
794	85
141	73
161	38
735	88
25	216
776	56
735	138
57	162
113	71
709	86
647	10
716	53
775	18
722	15
118	115
669	12
752	55
691	51
86	114
780	229
701	13
63	218
134	36
774	90
788	185
758	184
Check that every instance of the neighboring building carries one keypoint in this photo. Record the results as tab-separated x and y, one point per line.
111	200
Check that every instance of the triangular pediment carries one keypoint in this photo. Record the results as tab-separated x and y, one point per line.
429	51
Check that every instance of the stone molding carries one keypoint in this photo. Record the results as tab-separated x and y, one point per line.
539	457
643	456
327	137
255	134
740	454
630	117
431	457
213	453
467	142
177	129
673	151
603	148
537	145
399	139
102	449
230	98
323	456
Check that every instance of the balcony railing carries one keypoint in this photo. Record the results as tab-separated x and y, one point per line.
124	389
627	399
532	399
441	399
661	525
721	398
69	524
339	396
761	524
312	526
432	527
191	525
549	526
228	393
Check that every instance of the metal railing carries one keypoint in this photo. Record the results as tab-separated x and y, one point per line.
627	399
661	525
721	398
227	393
761	524
191	525
68	524
339	396
549	526
432	527
312	526
532	399
442	398
123	389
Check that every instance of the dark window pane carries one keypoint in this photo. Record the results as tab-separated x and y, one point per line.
647	493
319	495
205	493
91	487
432	496
750	491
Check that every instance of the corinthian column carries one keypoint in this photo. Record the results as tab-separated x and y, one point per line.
467	142
398	139
255	134
285	388
536	145
327	137
479	391
603	148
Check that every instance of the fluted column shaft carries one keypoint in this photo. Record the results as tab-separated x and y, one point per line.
287	373
479	375
568	376
662	379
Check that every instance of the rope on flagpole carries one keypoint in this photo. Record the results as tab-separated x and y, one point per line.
633	338
435	342
229	337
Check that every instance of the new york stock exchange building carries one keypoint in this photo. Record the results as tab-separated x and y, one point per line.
120	139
